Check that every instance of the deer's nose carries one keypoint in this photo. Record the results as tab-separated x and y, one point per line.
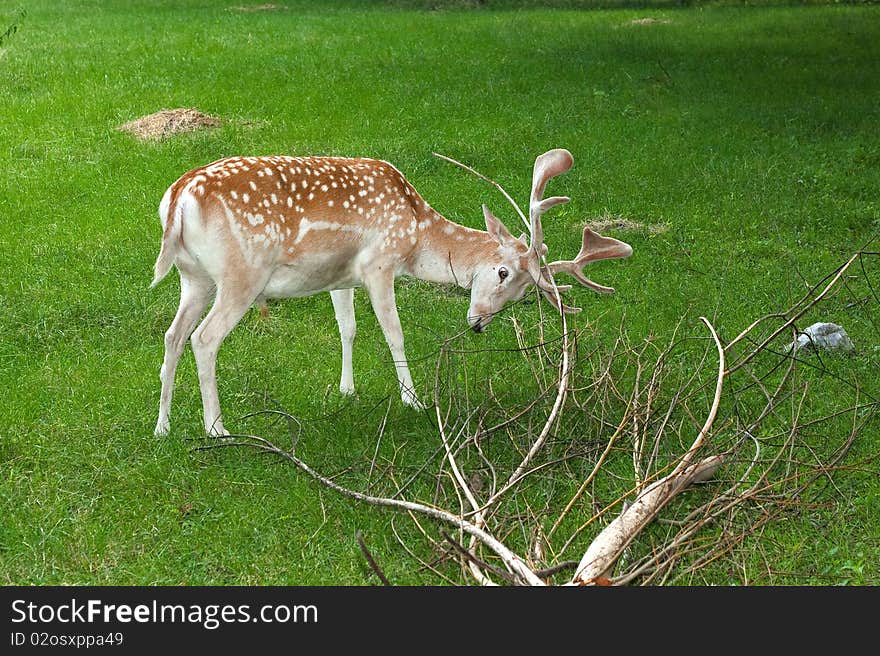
479	324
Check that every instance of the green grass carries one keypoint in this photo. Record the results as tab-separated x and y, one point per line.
751	132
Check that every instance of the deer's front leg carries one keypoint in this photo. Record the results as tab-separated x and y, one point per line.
380	287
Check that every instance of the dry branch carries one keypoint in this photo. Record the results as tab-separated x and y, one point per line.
371	561
513	562
606	548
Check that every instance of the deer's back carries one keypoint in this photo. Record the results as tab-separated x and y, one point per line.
319	218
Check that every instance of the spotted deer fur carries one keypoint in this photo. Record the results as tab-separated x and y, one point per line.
244	229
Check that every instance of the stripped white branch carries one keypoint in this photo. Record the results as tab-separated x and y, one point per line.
603	552
490	181
606	548
478	521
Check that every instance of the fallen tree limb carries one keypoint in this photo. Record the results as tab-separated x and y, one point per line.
604	551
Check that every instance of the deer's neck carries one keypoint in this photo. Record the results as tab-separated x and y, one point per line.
448	252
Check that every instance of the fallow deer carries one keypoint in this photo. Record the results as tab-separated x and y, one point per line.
245	229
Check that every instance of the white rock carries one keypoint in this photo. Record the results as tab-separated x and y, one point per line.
824	336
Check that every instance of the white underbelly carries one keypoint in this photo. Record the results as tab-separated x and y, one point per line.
303	279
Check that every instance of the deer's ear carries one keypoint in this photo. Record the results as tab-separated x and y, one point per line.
497	230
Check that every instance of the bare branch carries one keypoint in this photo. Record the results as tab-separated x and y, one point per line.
370	560
797	315
773	447
490	181
606	548
513	562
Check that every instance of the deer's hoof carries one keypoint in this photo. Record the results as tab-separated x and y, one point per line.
411	400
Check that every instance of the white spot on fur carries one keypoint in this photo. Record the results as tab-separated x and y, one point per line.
306	226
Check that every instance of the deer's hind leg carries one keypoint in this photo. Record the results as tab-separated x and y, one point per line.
195	293
234	298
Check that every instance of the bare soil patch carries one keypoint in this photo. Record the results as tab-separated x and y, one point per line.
650	21
612	223
169	122
263	7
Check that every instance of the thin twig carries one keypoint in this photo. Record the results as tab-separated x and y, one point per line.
370	560
491	182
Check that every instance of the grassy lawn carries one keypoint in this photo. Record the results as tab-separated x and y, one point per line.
743	141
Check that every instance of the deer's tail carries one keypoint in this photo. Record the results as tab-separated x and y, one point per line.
170	213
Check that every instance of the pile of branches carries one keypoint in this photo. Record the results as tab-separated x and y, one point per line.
564	484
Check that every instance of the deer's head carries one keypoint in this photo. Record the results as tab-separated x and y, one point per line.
515	264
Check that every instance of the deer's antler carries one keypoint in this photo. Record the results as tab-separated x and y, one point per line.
594	247
548	165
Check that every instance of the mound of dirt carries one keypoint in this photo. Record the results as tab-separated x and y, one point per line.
168	122
650	21
264	7
603	224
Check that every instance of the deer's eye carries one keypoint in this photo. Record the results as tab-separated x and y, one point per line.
503	273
